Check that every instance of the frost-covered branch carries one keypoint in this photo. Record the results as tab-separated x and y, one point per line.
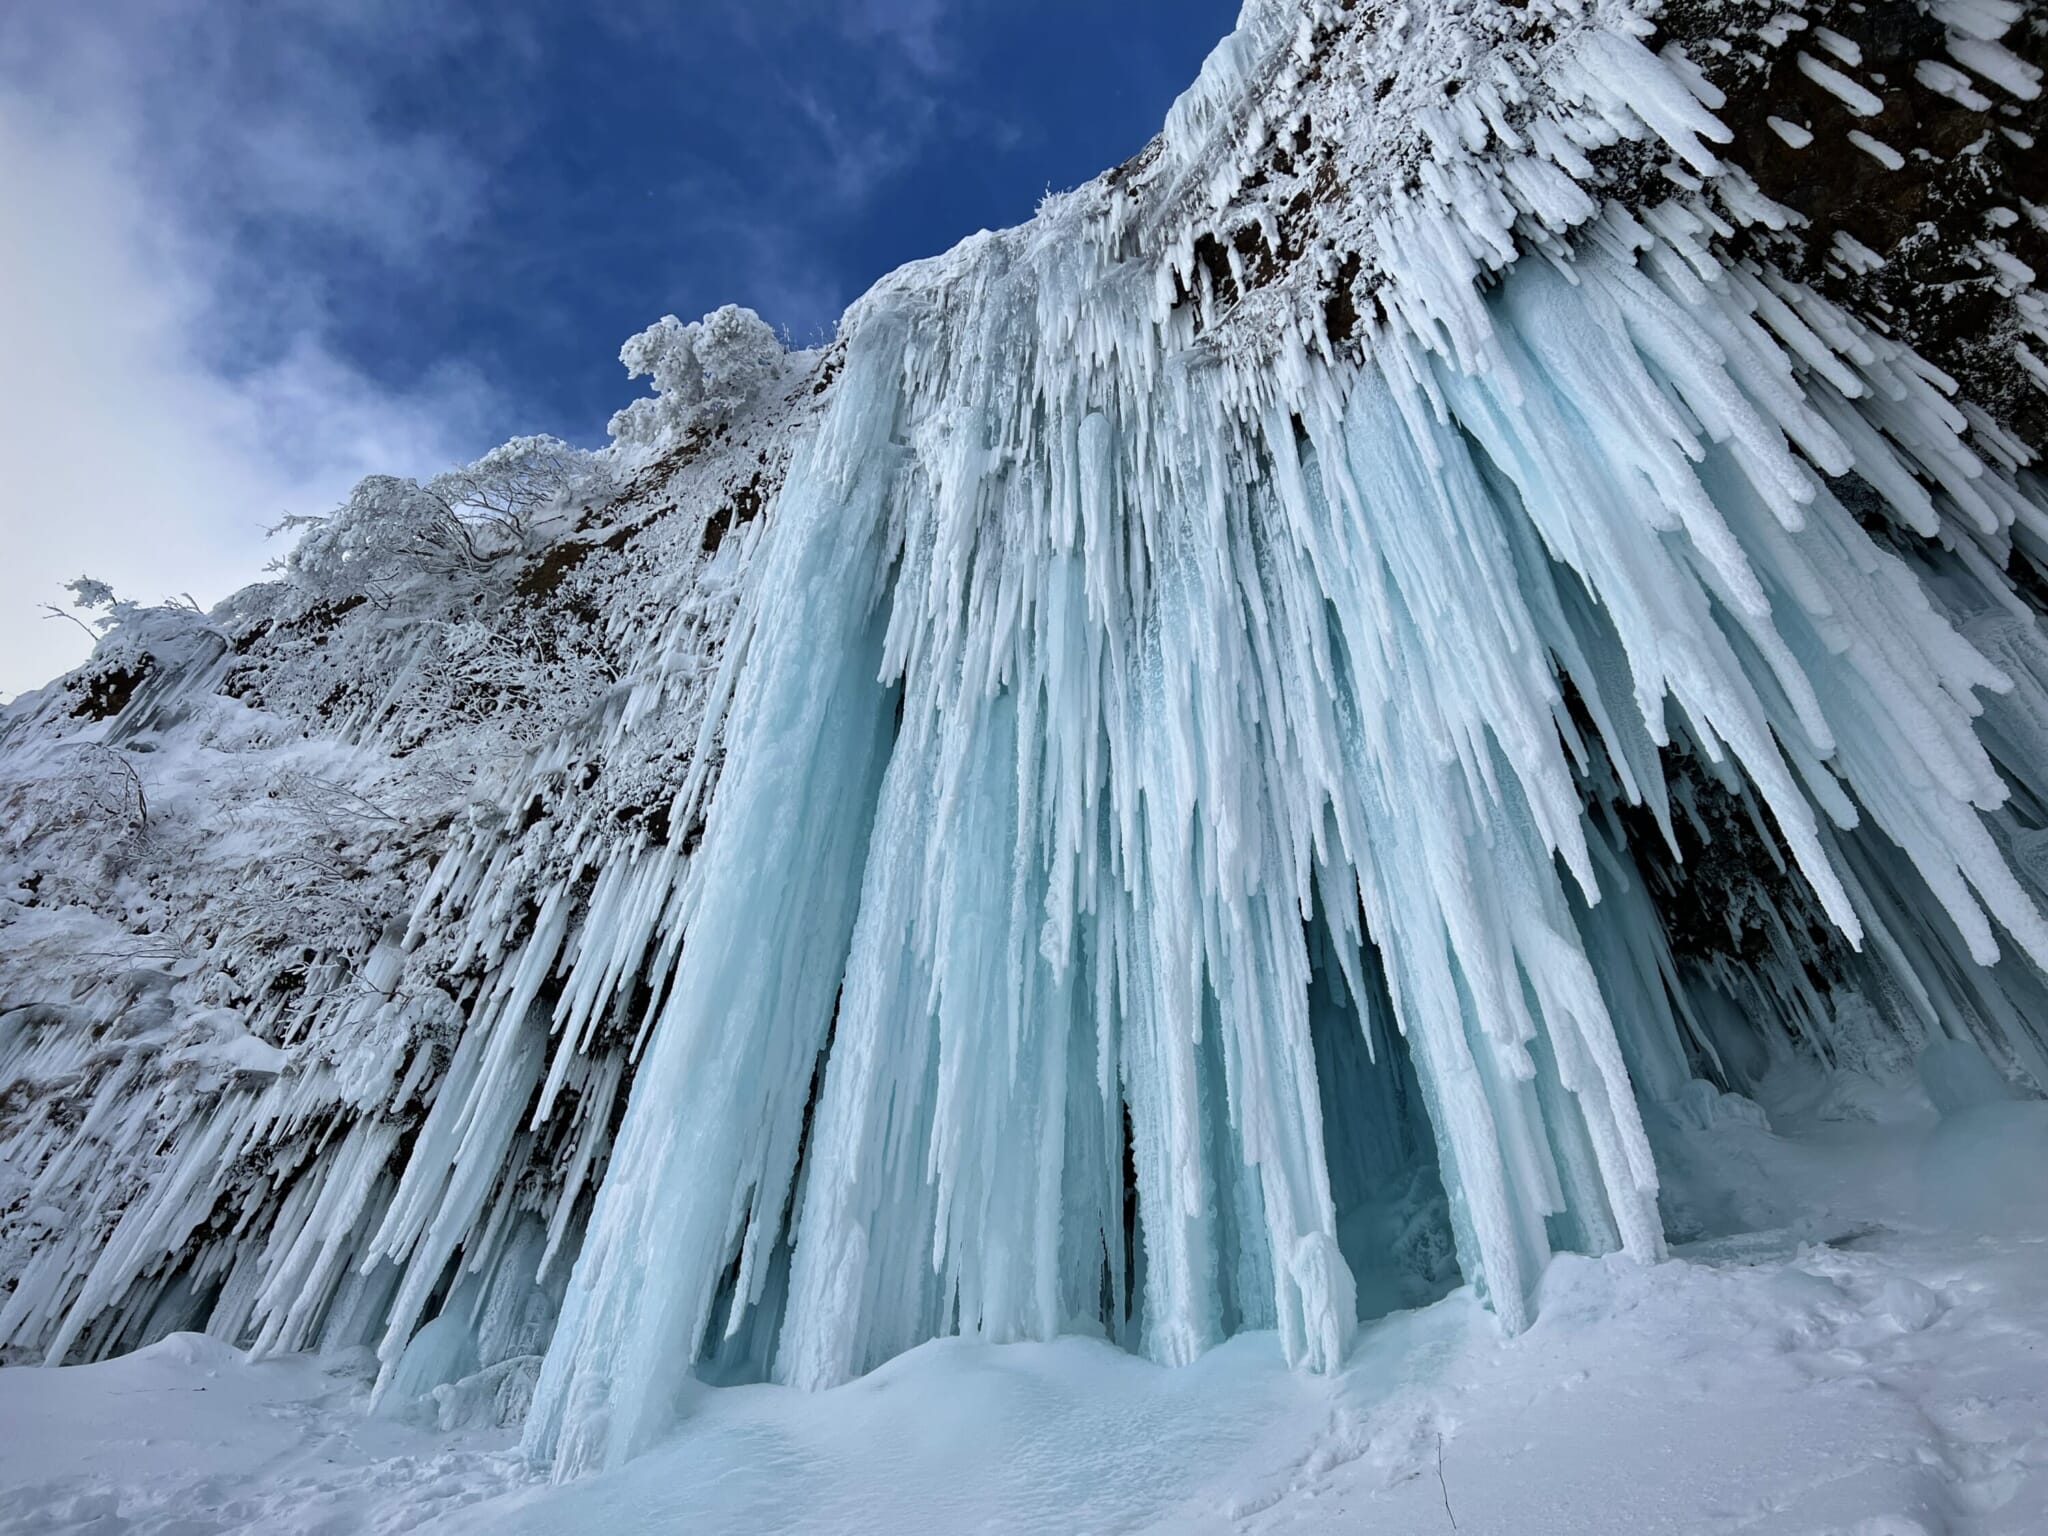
52	611
105	763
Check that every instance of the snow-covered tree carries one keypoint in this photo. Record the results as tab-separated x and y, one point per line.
392	533
87	592
703	373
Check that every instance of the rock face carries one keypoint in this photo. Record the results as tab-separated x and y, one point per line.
1220	759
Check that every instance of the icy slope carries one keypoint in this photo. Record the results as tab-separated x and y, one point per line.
1280	727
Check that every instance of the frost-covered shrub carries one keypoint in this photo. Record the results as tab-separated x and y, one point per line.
394	533
134	624
704	373
89	789
136	641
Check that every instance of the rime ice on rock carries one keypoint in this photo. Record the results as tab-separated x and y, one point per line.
1173	824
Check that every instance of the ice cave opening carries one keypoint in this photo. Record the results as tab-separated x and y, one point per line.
1393	1221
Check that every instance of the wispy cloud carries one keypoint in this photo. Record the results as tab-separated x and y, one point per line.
822	147
921	30
850	157
168	384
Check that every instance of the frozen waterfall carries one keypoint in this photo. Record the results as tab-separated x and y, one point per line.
1083	693
1195	783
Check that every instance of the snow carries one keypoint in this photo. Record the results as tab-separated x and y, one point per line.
1995	63
1952	83
190	1435
1857	98
1877	149
1873	1367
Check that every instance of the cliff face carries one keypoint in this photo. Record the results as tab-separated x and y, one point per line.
1221	758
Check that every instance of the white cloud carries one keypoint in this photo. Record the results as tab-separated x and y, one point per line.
127	450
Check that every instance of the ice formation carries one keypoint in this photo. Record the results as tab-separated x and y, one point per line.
1275	724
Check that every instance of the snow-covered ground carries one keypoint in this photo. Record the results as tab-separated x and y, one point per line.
1876	1364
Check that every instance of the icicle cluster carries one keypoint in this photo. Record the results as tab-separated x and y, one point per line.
1195	787
1193	671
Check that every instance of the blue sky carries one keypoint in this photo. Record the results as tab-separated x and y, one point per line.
249	252
780	155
